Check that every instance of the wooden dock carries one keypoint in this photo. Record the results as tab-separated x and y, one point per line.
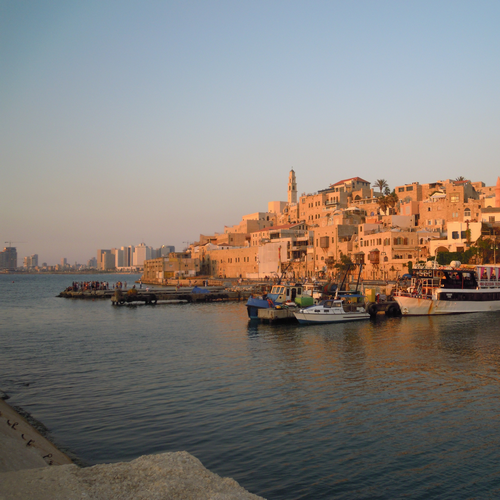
272	314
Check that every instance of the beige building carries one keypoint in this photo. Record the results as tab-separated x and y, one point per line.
233	262
454	202
177	264
459	237
313	207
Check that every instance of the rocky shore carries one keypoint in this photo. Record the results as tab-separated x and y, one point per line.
31	467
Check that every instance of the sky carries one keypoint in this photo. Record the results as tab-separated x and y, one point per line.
124	122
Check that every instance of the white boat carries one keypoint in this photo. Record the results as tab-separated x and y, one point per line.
450	291
332	311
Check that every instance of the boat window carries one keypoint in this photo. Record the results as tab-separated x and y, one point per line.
328	303
338	304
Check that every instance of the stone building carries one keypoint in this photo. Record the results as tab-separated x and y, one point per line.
176	265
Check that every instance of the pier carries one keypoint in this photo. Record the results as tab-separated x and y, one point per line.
156	296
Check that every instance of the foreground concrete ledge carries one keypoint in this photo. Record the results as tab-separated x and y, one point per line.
41	472
166	476
22	446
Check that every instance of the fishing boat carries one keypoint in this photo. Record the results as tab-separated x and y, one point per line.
280	297
450	290
335	310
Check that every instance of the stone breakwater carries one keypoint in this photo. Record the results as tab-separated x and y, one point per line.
155	296
32	467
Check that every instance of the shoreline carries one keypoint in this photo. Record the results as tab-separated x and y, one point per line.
24	442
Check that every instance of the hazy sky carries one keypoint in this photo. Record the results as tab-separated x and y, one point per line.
155	121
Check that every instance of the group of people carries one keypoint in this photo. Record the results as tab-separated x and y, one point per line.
84	286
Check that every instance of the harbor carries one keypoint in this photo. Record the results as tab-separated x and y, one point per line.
365	409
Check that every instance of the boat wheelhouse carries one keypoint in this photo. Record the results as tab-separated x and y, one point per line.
280	295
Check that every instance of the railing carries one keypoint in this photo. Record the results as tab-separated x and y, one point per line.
491	283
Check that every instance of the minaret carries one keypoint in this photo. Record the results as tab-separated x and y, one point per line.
292	188
497	193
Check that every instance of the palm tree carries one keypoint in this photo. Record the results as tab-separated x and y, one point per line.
392	199
381	184
383	203
460	178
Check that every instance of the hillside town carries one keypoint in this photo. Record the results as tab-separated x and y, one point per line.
314	235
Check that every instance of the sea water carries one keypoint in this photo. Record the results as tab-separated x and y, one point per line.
385	408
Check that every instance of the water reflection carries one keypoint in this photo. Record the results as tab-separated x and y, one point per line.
385	408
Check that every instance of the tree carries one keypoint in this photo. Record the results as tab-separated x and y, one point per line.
381	184
392	199
383	203
460	178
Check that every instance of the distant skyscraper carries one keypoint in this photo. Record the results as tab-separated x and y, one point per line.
31	261
292	188
141	253
8	258
165	250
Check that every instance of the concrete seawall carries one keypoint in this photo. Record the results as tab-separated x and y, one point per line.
31	467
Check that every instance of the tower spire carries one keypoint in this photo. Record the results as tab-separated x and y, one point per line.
292	187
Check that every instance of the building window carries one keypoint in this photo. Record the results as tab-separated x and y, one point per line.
454	198
454	235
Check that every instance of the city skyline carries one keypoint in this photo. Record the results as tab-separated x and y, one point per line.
160	121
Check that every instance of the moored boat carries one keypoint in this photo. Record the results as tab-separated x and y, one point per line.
450	290
333	311
288	295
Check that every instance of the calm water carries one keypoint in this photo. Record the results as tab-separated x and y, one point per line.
396	407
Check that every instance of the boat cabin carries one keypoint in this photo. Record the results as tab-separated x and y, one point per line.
458	278
284	293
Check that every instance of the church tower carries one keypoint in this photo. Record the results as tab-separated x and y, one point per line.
292	188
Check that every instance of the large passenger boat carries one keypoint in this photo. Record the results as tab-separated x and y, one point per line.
450	290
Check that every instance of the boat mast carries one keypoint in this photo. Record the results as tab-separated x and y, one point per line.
359	276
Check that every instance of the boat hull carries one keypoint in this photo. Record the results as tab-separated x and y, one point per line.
414	306
316	318
254	304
